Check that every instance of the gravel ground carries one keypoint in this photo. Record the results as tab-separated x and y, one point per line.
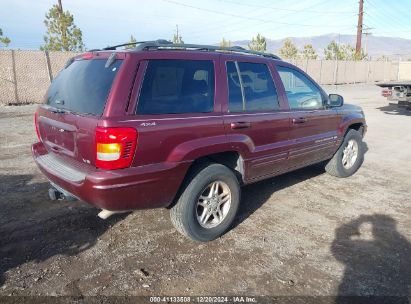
302	233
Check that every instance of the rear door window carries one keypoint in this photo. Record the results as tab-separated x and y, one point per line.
254	91
83	86
177	86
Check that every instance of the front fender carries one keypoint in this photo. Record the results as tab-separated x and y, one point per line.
350	114
351	119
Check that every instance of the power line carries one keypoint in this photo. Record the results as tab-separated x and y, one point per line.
269	28
384	16
285	9
224	23
388	12
242	17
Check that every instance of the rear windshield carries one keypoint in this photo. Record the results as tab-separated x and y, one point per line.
83	86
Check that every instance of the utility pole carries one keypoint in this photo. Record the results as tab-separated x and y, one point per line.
177	39
366	33
359	29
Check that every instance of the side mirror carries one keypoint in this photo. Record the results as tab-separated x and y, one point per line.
335	100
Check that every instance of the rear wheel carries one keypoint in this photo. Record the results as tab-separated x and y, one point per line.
208	204
349	157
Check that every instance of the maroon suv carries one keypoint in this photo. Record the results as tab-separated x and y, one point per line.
184	126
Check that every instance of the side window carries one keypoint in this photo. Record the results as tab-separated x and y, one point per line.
301	92
177	86
254	91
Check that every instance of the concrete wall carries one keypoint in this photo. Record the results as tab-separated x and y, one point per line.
404	72
25	75
342	72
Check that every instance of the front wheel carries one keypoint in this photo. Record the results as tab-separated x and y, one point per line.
349	157
208	204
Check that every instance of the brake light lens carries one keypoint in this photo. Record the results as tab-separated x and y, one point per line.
115	147
386	92
36	125
87	56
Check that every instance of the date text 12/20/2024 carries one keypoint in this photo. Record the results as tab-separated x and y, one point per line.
203	299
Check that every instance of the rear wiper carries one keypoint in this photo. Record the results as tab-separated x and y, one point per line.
110	60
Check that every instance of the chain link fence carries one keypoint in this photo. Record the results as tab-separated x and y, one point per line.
26	75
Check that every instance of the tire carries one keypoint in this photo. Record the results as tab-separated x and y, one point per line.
338	166
186	213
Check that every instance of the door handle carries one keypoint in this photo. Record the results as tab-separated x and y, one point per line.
240	125
299	120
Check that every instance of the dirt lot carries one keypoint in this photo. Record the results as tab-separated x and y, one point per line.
303	233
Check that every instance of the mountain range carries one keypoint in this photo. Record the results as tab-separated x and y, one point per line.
375	46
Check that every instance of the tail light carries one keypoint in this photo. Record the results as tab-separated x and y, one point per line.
87	56
115	147
386	92
36	125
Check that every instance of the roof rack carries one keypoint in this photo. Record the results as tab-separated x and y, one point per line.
165	44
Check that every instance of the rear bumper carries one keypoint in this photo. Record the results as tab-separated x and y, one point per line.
150	186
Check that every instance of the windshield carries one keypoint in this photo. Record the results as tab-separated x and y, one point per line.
83	86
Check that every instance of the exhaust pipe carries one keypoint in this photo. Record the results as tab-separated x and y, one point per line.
105	214
56	193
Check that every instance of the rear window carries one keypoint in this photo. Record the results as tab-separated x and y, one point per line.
83	86
177	86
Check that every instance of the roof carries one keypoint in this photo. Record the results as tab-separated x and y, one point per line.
162	44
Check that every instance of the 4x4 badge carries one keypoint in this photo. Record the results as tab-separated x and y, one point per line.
148	124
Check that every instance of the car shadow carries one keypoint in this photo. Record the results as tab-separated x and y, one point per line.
394	109
377	260
33	228
255	195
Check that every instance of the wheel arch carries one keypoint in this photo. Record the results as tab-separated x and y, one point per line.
231	159
357	126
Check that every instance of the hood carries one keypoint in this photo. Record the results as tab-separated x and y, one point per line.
351	108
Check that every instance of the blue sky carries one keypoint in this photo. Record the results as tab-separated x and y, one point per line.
110	22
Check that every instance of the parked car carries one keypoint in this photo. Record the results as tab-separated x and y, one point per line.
184	127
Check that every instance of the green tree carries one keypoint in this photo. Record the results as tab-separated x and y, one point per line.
225	43
133	41
289	50
258	43
177	39
309	52
4	40
62	34
334	51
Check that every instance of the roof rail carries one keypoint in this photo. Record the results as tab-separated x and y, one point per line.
164	44
137	44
